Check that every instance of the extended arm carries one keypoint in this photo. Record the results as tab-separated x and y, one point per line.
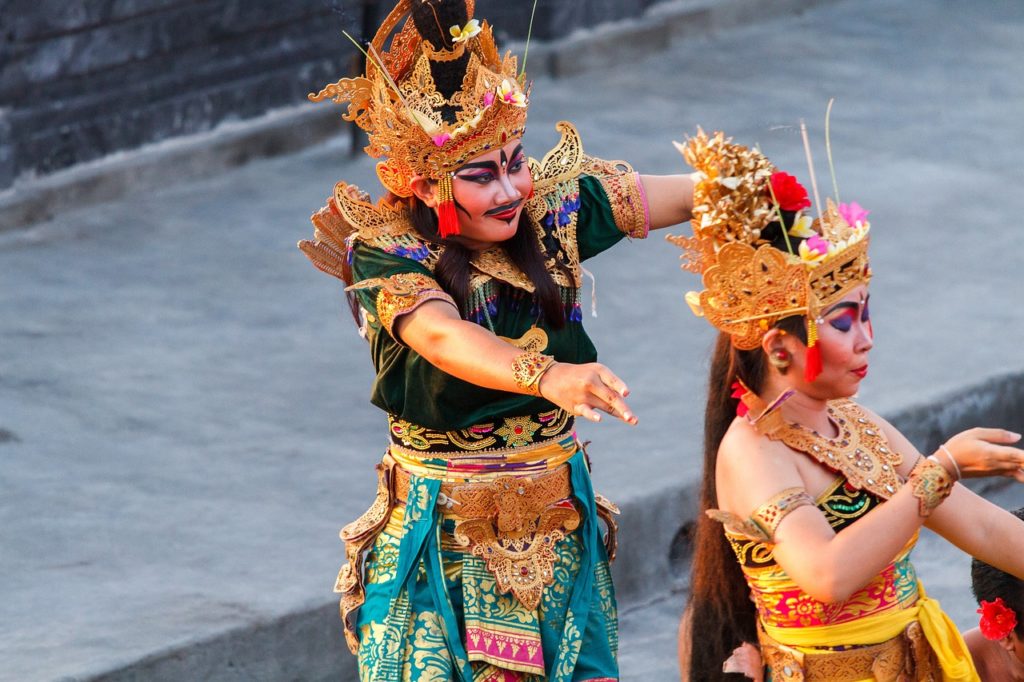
669	198
472	353
972	523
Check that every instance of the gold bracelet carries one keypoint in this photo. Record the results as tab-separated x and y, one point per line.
930	483
528	368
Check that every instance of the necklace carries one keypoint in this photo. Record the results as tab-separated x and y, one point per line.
860	452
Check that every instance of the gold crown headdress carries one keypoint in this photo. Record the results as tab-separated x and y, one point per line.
749	284
397	102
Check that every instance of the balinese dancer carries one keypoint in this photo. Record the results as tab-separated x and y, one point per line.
482	558
821	499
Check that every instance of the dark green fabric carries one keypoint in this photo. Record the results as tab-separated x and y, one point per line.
410	388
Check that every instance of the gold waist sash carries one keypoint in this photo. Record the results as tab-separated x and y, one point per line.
802	648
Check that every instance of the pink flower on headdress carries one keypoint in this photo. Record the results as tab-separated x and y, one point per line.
813	249
853	213
488	98
790	194
997	620
439	140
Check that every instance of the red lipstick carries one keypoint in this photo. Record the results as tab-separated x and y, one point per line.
861	371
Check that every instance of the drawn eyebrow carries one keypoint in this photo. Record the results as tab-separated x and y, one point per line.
488	165
842	305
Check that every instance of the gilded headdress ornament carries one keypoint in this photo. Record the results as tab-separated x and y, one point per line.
413	127
755	269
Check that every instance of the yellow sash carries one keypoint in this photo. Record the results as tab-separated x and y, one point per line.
941	633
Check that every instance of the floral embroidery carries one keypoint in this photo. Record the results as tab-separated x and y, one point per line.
517	431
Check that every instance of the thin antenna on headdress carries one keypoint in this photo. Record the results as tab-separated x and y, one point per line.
828	148
529	34
437	20
373	56
810	167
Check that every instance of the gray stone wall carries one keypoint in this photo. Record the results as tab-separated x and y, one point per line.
80	79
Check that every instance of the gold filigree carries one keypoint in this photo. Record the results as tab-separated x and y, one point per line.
931	484
860	451
401	294
746	286
405	126
527	370
358	537
518	547
749	285
629	203
534	340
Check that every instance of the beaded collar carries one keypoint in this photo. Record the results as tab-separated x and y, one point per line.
860	451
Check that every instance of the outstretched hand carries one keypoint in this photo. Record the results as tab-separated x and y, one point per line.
982	452
582	390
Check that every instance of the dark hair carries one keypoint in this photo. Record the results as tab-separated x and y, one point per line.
452	269
989	583
723	614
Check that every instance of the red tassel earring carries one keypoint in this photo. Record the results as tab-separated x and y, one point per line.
447	218
812	366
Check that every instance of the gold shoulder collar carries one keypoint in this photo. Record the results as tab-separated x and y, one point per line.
349	216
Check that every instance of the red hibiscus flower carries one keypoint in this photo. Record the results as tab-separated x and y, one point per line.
790	194
738	391
997	620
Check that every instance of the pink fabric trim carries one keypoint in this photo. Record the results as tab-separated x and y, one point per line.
647	217
500	648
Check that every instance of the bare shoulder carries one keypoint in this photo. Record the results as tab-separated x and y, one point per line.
897	440
984	653
752	468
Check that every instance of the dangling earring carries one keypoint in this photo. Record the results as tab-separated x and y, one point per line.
812	367
780	359
447	218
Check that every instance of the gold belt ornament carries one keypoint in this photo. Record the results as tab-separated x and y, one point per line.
908	657
512	523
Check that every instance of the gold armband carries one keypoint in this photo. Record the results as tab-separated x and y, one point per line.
930	483
528	368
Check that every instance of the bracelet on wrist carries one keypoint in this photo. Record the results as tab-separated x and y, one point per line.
930	483
527	370
956	467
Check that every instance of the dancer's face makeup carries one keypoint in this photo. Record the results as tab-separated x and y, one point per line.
846	338
490	192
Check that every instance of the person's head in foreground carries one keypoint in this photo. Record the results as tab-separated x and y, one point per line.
997	644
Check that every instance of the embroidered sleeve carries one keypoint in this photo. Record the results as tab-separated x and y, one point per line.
765	520
403	293
628	202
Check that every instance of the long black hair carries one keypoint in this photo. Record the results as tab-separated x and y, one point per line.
723	616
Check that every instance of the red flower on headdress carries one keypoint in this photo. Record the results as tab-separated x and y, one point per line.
788	193
997	620
738	391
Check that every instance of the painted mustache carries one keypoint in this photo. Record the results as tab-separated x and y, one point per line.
503	210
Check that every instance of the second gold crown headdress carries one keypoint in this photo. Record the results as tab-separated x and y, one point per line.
398	103
749	283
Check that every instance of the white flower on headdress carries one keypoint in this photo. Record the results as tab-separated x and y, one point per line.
802	228
470	30
509	94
